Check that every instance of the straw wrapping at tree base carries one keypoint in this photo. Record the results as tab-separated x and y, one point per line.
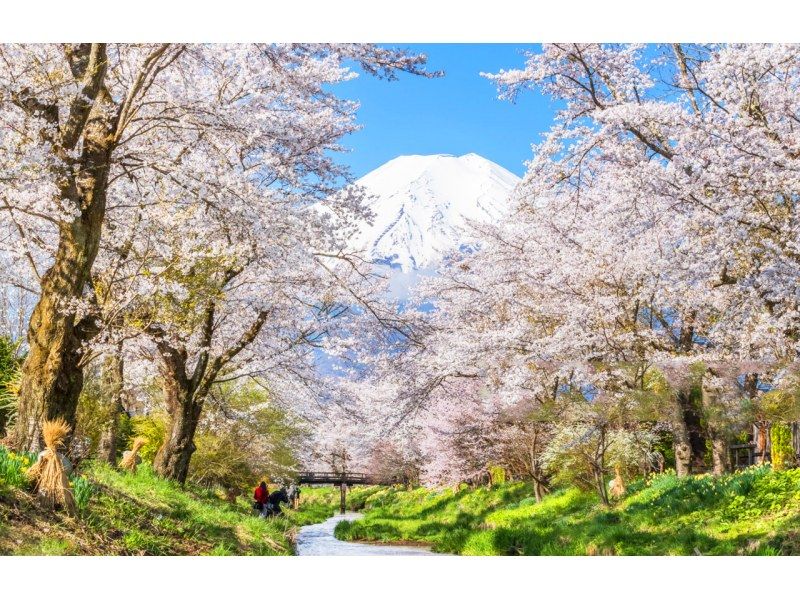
131	458
49	473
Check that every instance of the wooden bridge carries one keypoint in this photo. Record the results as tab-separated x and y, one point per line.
338	478
343	480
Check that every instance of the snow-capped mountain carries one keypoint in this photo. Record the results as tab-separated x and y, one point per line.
422	204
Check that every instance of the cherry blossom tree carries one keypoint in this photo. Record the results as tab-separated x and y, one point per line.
650	254
689	184
93	132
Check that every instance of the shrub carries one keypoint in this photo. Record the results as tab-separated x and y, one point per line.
783	456
9	382
497	475
152	427
93	415
218	461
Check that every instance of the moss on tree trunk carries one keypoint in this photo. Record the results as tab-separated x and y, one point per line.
52	375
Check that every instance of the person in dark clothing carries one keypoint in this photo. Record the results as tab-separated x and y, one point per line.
294	495
261	497
275	500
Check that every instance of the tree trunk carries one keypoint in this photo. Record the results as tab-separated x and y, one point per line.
538	491
598	467
682	448
690	412
52	376
539	478
750	384
600	481
714	413
172	459
185	393
762	428
113	380
720	455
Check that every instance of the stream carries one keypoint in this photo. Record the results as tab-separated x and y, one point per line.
318	540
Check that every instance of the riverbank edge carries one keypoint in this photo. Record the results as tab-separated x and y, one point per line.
142	515
752	512
314	499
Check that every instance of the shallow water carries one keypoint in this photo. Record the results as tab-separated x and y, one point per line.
318	540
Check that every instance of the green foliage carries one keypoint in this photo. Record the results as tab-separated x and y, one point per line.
125	433
198	285
244	437
93	414
497	474
10	364
82	491
663	443
779	405
9	360
13	467
218	461
271	435
153	427
756	511
783	456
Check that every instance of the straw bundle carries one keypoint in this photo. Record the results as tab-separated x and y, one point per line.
49	472
130	458
617	485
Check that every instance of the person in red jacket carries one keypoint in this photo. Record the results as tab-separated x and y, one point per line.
261	496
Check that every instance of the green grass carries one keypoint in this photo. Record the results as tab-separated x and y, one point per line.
48	547
321	502
142	514
151	515
756	511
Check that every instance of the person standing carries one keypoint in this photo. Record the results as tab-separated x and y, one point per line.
261	497
294	495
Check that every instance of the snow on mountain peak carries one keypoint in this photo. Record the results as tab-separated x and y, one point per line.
422	205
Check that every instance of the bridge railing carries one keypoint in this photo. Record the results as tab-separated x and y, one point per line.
332	477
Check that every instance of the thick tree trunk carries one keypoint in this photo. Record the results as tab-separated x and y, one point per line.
689	432
52	376
172	459
113	380
690	413
720	455
185	393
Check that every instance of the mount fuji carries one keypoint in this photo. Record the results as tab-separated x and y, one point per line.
422	206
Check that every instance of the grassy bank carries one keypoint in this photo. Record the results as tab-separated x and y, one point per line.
142	514
321	502
756	511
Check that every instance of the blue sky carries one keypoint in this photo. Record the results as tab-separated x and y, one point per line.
456	114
